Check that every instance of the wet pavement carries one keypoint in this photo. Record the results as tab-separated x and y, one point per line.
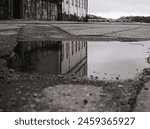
84	75
43	30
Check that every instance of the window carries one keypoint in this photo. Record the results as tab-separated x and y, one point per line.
76	46
79	47
72	47
76	2
62	54
79	3
67	50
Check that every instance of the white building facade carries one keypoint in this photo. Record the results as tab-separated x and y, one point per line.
74	9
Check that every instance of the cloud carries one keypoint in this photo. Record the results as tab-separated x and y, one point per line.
119	7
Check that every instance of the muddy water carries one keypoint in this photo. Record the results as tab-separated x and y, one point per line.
96	60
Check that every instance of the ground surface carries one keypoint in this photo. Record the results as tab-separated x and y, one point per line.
13	31
35	92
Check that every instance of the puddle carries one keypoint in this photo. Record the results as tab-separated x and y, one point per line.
117	60
55	57
100	60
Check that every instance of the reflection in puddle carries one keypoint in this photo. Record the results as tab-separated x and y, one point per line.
100	60
55	57
117	60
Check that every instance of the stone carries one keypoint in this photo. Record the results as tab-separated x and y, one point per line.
120	86
12	55
90	94
23	98
60	76
73	74
11	70
19	92
145	88
146	78
147	71
2	62
21	86
35	94
85	102
117	78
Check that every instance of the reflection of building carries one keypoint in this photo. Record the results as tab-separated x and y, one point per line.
43	9
74	57
51	57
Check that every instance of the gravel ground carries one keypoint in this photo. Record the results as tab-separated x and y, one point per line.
43	92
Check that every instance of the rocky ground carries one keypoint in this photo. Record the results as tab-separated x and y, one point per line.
36	92
44	92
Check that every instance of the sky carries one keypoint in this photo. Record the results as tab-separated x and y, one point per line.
118	8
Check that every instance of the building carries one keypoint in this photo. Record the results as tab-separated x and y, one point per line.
44	9
4	9
53	57
31	9
75	9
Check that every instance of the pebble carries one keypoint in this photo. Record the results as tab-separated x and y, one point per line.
74	77
19	92
35	94
96	77
23	98
60	76
12	55
32	105
73	74
120	86
90	94
85	102
117	78
146	78
77	103
91	76
102	95
21	86
146	88
147	70
11	70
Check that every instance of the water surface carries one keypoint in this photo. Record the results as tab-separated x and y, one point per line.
96	60
113	60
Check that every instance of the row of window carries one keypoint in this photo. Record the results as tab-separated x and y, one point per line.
75	47
79	3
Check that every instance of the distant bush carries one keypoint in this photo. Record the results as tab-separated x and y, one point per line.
135	19
141	19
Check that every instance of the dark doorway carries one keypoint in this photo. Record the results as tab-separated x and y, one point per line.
16	9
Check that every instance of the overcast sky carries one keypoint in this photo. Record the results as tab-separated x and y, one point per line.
118	8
